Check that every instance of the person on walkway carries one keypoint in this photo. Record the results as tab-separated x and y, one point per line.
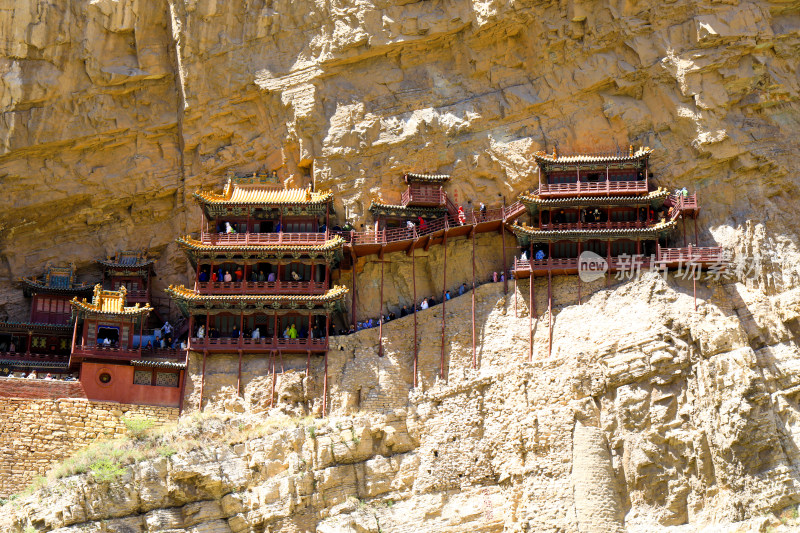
494	276
424	304
239	274
462	289
278	228
166	328
292	332
351	330
228	278
32	375
446	295
422	224
483	211
524	256
271	277
261	277
432	301
203	277
462	219
235	333
286	333
403	311
201	332
229	229
256	333
539	255
409	225
295	276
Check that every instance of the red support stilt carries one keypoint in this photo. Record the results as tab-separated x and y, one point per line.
380	316
353	318
695	229
505	274
550	314
308	362
203	381
280	355
531	311
414	308
272	396
683	222
325	388
239	376
444	300
474	353
515	296
579	277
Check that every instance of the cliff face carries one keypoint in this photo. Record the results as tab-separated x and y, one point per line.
668	420
647	414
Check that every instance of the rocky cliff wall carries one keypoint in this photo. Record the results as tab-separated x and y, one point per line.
647	411
666	418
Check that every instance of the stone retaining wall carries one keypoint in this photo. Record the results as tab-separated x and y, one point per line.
37	433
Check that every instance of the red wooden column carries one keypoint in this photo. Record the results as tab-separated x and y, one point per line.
141	327
308	361
474	353
579	268
353	318
503	233
414	308
75	335
444	301
272	361
239	375
30	335
203	381
380	315
550	313
325	388
531	311
608	262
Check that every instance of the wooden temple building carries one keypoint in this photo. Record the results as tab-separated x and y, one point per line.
263	263
42	343
108	353
131	269
603	204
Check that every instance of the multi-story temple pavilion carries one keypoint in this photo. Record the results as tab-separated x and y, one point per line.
131	269
603	204
423	198
43	342
113	364
263	272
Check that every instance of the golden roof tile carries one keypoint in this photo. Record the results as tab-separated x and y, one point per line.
194	244
109	303
182	293
256	194
631	155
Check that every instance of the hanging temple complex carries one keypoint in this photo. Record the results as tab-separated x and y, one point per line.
266	257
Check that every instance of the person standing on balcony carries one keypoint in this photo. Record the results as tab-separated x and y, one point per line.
292	332
278	228
201	332
422	224
539	254
235	333
295	276
256	333
229	229
524	256
271	277
483	211
261	275
228	278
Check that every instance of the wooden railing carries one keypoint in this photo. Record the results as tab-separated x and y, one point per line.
514	210
136	296
423	196
262	287
471	217
283	237
32	356
247	343
594	188
107	352
683	203
691	254
593	225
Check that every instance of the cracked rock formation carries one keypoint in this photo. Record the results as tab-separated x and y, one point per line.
646	414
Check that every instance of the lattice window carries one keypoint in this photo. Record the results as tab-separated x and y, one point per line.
166	379
142	377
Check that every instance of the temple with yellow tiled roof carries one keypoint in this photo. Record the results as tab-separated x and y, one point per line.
262	263
113	364
605	204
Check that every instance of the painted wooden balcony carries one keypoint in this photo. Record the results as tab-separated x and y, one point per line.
105	352
594	188
423	196
246	344
263	239
262	287
594	225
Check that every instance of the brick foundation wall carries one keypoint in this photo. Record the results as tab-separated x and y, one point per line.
40	389
36	433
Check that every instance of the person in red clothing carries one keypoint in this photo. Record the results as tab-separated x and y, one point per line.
238	274
422	224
